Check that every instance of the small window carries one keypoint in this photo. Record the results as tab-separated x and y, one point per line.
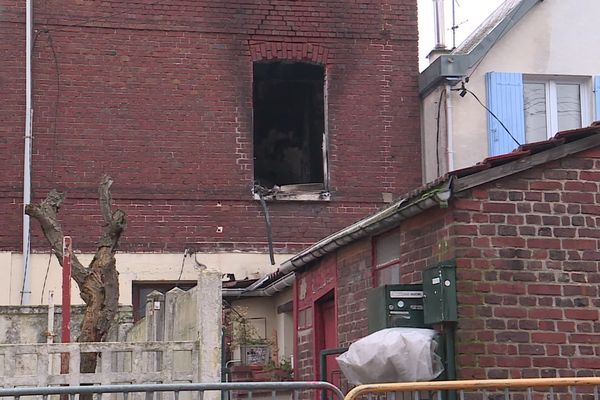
387	259
554	105
289	124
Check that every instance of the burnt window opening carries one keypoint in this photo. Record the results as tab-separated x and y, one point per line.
289	124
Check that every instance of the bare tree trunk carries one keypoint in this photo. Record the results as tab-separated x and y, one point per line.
99	283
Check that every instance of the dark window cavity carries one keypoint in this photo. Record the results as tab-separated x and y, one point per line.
289	123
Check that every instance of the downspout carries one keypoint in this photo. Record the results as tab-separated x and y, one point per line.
263	203
25	291
449	129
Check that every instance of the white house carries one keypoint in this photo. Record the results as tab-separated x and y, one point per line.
533	64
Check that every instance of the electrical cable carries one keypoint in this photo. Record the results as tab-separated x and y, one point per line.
489	111
263	203
56	102
261	192
46	276
34	42
25	274
185	253
127	11
232	308
437	134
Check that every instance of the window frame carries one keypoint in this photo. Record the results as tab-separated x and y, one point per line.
550	83
301	191
376	267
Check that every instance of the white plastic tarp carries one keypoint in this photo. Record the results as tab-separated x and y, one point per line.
392	355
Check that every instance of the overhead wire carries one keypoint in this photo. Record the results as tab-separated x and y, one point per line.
46	276
463	88
110	15
185	254
56	103
437	135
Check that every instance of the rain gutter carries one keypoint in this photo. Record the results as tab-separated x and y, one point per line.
376	223
276	287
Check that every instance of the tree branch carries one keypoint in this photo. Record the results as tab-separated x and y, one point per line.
99	283
46	214
114	223
105	198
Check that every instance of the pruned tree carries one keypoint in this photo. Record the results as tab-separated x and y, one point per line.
99	282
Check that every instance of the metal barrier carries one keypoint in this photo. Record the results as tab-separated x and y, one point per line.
245	390
341	383
493	389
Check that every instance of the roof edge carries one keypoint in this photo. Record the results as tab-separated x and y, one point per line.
533	160
398	211
457	65
273	288
525	157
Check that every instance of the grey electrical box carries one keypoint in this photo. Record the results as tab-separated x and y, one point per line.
392	306
439	293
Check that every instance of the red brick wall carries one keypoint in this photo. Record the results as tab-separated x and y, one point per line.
529	273
527	249
159	96
354	281
309	288
425	240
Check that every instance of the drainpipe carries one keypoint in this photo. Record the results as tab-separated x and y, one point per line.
50	333
449	129
25	291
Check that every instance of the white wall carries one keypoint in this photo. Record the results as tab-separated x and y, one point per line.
555	37
131	267
285	325
430	138
279	325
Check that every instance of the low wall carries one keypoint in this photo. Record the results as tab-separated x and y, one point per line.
118	363
29	324
179	340
193	315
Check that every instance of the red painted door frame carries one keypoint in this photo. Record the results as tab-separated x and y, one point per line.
325	330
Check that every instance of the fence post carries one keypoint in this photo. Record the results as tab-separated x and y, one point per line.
155	326
155	316
170	313
209	320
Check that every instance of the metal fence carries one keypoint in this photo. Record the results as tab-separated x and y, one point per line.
585	388
195	391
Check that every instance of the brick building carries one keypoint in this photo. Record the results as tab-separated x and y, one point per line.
522	229
188	104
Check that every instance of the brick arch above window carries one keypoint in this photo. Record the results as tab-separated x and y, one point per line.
289	51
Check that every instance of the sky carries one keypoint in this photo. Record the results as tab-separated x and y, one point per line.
469	14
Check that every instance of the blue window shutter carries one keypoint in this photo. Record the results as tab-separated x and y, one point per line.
597	96
505	100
